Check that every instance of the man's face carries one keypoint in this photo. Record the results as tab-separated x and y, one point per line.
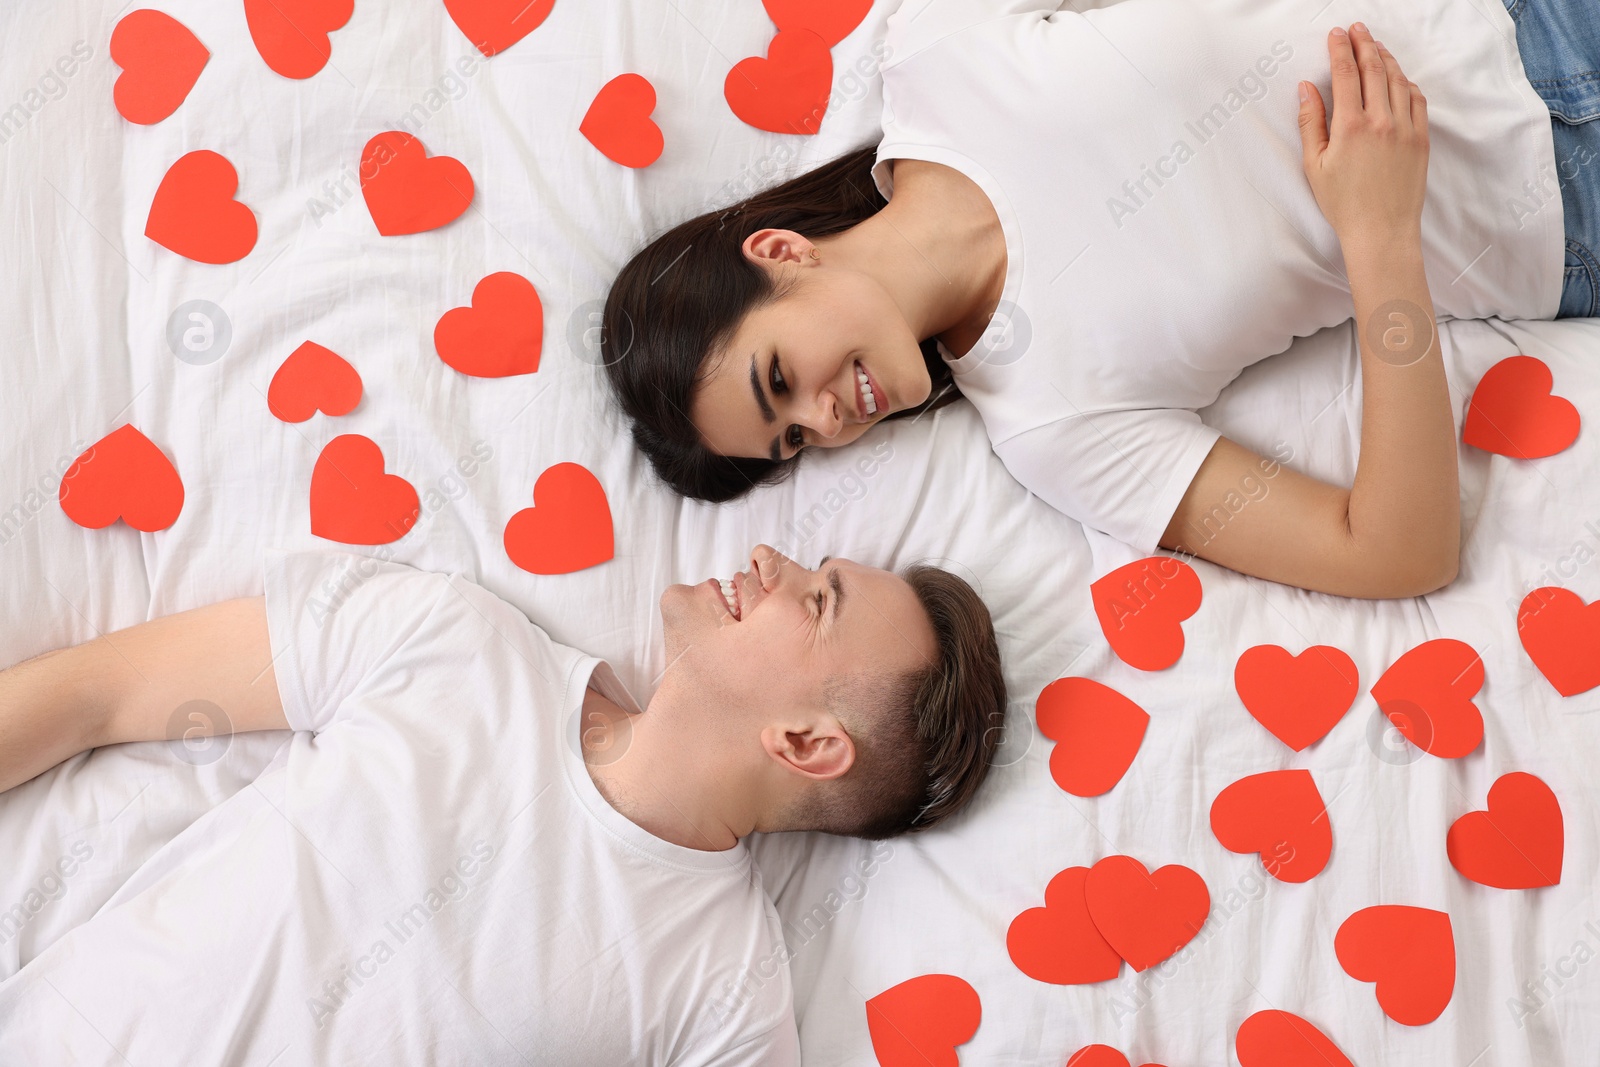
783	635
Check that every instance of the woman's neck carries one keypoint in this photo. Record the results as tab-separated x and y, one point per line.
937	248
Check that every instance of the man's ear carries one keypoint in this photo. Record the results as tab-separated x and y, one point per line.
776	246
819	749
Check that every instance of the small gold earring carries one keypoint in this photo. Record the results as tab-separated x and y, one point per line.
815	254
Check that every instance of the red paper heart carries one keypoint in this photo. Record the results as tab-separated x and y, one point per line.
160	60
353	501
313	379
1281	816
832	20
1298	698
1427	693
194	213
292	35
567	529
1141	607
1518	843
919	1022
1409	952
406	191
1513	413
495	25
1100	1056
1561	634
618	122
1144	915
122	476
1059	943
787	92
1097	732
1280	1039
501	334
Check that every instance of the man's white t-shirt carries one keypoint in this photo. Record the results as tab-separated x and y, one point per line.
1144	159
425	875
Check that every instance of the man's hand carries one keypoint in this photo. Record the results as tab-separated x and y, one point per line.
1369	173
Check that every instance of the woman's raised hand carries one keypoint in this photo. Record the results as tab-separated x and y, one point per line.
1369	168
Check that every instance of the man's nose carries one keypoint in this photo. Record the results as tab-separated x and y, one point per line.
767	563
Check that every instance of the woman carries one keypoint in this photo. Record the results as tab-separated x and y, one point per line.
1160	262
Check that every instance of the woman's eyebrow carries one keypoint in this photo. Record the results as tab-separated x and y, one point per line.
761	398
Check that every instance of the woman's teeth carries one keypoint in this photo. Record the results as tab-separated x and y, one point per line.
730	595
868	404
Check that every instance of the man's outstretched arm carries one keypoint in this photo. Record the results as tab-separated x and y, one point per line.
126	685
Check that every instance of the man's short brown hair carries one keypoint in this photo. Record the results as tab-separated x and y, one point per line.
924	740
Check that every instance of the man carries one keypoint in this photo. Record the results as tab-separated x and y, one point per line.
476	848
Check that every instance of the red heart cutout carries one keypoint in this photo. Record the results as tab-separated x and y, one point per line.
1059	943
1298	698
353	501
1097	732
1561	634
1518	843
919	1022
1141	607
567	529
122	476
495	25
1409	952
313	379
406	191
160	60
195	215
292	35
1280	1039
832	20
1513	413
1100	1056
618	122
787	92
1145	915
1427	693
1281	816
501	334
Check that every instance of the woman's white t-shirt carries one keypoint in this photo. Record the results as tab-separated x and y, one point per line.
425	875
1144	160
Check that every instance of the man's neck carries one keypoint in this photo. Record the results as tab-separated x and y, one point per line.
638	769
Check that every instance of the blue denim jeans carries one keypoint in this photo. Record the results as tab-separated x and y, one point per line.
1560	45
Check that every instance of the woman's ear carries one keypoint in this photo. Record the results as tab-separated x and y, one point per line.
776	246
820	750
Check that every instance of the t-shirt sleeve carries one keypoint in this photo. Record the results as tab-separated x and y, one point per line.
333	618
1121	472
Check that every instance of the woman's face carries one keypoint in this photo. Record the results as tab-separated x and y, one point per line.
792	375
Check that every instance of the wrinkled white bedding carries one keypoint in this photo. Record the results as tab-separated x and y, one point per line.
84	304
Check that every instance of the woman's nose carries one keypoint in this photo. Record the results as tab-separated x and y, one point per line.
827	420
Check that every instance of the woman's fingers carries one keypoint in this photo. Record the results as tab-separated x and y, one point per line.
1399	87
1313	126
1374	75
1419	112
1346	75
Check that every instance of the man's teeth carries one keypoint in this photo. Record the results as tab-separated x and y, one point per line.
869	404
731	597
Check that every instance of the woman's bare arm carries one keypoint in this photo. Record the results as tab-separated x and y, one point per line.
1397	530
127	685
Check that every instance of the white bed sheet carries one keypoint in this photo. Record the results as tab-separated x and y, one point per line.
84	299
